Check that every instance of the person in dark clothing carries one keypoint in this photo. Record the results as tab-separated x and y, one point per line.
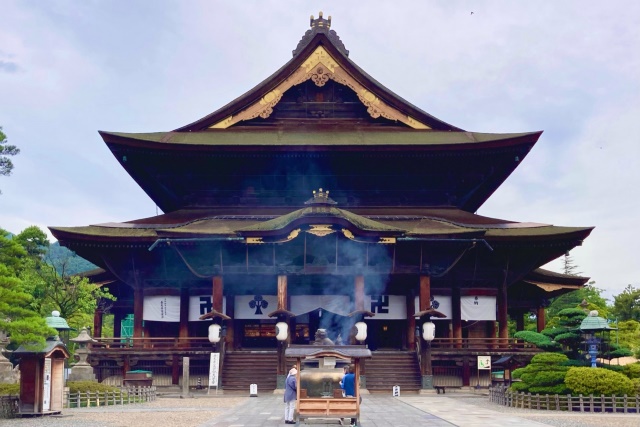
290	396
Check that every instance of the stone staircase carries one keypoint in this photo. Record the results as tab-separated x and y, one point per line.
243	368
389	368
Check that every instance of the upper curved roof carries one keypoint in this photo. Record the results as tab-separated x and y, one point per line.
320	41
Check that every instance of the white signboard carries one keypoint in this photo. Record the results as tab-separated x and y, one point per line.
202	304
440	303
386	306
214	364
484	362
338	304
46	386
164	308
478	307
254	306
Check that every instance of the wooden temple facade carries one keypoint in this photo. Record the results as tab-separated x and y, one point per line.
319	198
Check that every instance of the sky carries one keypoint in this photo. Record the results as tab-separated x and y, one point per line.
570	68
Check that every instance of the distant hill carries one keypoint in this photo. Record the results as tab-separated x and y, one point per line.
75	264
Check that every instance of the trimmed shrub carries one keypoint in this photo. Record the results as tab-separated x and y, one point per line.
545	374
632	370
89	386
539	340
598	381
9	389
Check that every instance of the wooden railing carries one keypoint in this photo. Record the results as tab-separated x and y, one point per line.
565	402
141	344
482	344
123	396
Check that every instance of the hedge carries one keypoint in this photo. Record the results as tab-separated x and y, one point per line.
598	381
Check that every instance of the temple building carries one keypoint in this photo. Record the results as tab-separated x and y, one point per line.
319	198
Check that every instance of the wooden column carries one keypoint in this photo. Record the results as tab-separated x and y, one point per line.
97	323
358	292
411	322
503	317
466	372
541	321
217	293
425	304
175	369
183	333
457	315
138	307
231	330
282	305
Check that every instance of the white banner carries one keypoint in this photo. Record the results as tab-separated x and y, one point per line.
164	308
386	306
254	306
214	364
201	304
441	303
338	304
478	307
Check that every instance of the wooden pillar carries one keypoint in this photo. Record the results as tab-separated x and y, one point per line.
503	317
97	323
466	372
231	330
175	369
183	332
425	293
491	333
411	322
358	292
282	305
457	315
217	293
425	304
138	307
541	321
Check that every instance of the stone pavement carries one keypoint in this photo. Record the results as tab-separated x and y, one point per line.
377	411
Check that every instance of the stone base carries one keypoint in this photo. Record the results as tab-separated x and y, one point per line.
280	381
278	391
82	373
428	391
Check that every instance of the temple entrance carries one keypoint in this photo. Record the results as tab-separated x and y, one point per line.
386	334
336	325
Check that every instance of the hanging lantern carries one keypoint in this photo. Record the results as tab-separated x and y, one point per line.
282	331
428	331
361	335
214	333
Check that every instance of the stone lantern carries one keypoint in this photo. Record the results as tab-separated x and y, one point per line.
82	370
590	326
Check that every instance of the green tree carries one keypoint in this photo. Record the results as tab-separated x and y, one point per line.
626	305
6	165
17	318
628	335
565	331
589	293
568	266
34	240
54	289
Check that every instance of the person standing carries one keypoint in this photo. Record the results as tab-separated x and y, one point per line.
290	396
349	386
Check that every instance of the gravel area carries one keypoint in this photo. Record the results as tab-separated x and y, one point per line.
165	411
558	419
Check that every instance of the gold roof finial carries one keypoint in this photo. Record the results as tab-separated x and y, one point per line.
320	197
320	22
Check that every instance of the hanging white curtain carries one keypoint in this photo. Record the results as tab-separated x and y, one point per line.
165	308
202	304
338	304
441	303
478	307
254	306
386	307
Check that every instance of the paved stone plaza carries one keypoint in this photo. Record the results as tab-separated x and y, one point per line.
452	409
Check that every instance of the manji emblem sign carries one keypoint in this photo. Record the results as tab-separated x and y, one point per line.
380	304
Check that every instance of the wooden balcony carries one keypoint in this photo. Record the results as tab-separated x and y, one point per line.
481	345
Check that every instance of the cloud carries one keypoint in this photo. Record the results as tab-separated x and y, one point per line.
9	67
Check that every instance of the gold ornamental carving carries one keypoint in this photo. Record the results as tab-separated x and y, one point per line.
321	230
319	67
